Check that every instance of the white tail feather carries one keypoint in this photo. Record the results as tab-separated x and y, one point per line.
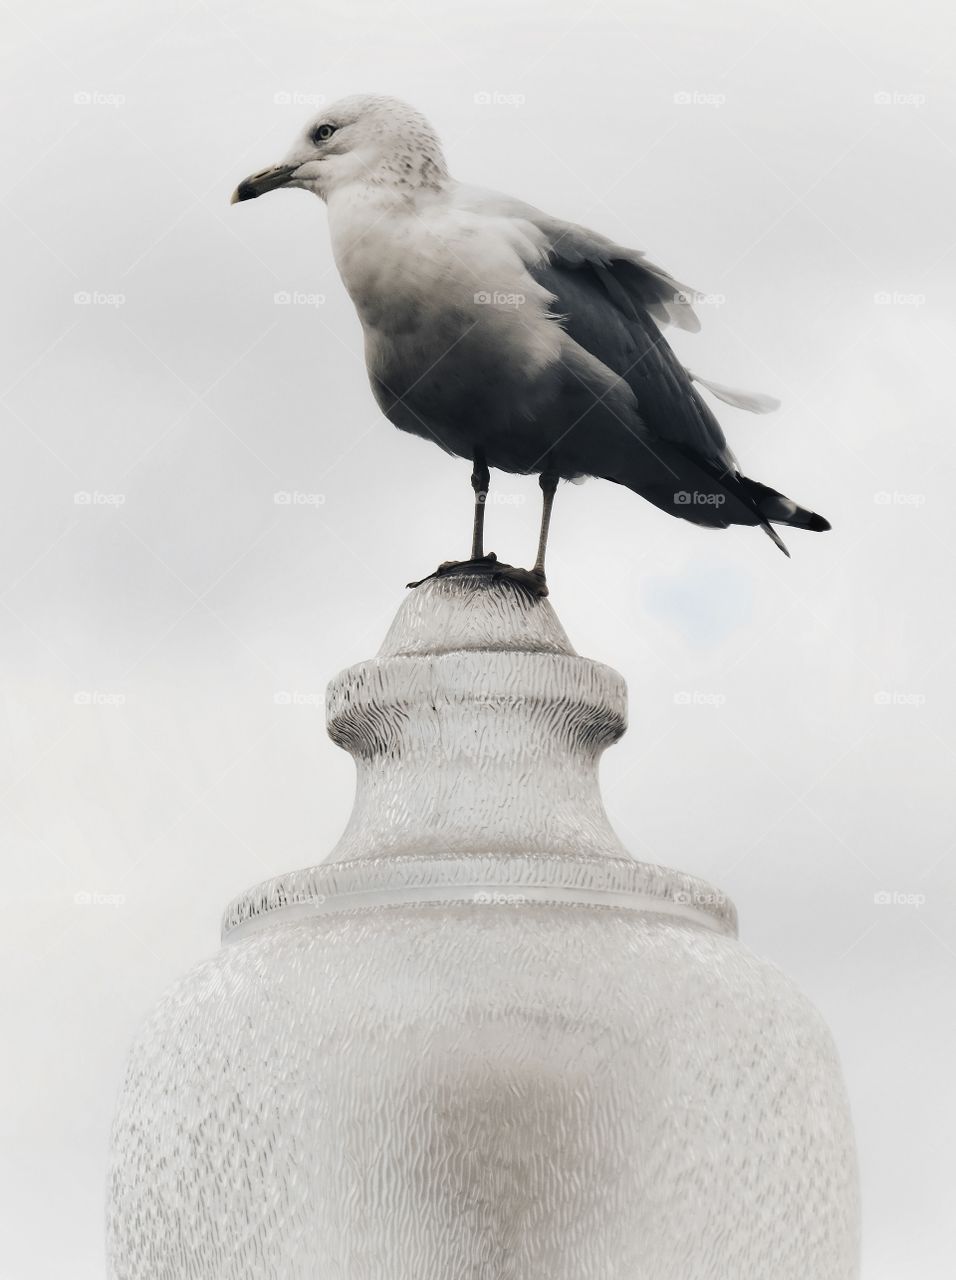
752	401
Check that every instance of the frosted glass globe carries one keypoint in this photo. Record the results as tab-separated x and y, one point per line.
481	1042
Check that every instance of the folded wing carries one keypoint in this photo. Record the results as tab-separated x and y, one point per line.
611	301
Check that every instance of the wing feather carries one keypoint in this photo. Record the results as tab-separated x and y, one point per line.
633	347
611	302
630	278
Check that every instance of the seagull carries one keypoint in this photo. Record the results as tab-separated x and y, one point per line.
514	339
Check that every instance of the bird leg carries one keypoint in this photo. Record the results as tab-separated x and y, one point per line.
530	580
480	479
479	563
548	481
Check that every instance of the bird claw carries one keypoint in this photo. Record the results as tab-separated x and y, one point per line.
460	568
530	580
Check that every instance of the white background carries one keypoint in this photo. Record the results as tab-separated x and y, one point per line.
792	731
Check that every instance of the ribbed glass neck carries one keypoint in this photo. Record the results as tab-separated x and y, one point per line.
476	733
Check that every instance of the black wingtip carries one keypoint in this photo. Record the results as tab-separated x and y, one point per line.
775	538
819	524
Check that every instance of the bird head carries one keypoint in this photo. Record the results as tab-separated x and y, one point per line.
375	140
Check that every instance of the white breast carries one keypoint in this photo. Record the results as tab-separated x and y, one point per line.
424	275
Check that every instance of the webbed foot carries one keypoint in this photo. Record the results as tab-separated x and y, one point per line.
530	580
461	568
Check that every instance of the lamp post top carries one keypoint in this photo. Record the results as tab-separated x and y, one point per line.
477	732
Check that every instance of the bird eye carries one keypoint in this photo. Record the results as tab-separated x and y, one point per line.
323	132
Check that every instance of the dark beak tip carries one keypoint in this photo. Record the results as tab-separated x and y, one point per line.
259	183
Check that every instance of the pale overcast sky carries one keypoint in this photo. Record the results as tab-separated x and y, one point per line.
792	723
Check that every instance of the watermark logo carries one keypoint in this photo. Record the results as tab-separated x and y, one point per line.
700	299
97	98
893	898
96	298
684	498
697	698
96	898
500	701
898	98
297	698
895	298
697	98
497	498
495	98
496	298
495	898
896	698
98	698
296	98
699	898
94	498
887	498
295	498
293	298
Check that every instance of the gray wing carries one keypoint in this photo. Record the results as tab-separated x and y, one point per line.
610	300
685	437
630	279
633	347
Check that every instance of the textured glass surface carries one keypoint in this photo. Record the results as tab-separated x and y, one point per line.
480	1042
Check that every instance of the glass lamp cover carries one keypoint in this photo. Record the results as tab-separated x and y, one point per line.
480	1041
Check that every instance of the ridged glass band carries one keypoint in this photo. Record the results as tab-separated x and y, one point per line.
482	881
